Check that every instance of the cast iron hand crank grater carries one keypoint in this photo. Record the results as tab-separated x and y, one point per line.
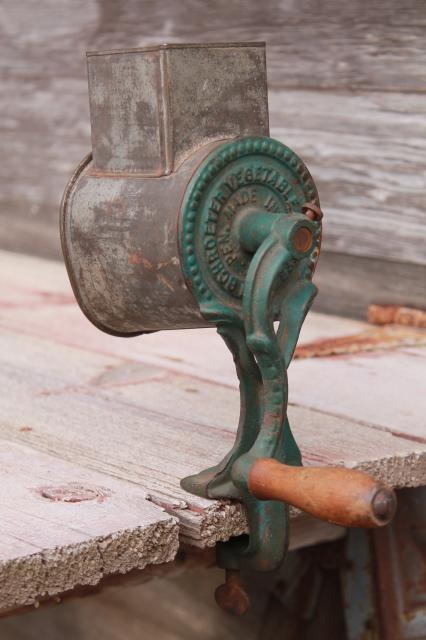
187	214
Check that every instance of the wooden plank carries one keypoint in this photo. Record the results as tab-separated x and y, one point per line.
371	195
141	432
134	412
383	390
36	298
349	284
126	443
48	546
52	314
417	352
202	354
362	44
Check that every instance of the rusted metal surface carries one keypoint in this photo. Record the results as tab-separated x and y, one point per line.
384	577
231	596
400	557
312	211
156	111
151	107
358	589
389	337
119	237
391	314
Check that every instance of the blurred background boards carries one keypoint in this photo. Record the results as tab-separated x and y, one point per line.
96	433
346	91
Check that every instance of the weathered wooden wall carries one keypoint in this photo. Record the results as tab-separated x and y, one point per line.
347	92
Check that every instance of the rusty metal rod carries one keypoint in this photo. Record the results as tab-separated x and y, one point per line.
345	497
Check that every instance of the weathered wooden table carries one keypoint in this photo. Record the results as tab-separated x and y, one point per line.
96	432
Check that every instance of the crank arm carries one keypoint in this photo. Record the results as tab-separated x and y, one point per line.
346	497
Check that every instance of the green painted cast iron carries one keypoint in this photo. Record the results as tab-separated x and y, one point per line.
248	255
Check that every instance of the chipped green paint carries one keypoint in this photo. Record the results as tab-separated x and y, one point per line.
248	255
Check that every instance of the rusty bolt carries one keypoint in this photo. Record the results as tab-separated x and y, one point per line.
231	596
312	211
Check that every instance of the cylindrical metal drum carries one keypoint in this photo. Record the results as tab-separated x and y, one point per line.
121	249
156	113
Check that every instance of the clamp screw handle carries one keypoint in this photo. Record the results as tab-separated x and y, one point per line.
231	596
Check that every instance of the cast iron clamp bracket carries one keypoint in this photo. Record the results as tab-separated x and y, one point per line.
251	266
277	286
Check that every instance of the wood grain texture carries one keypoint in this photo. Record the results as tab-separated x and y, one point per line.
136	410
135	416
202	354
346	92
48	547
97	425
367	152
59	430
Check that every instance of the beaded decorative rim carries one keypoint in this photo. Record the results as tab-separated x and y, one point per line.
256	172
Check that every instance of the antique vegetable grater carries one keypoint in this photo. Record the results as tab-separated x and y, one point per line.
187	214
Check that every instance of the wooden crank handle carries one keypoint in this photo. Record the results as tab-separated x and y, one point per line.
344	496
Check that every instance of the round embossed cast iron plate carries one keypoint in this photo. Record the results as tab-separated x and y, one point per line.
248	173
